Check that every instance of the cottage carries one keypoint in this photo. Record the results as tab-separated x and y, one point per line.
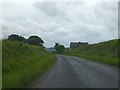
77	44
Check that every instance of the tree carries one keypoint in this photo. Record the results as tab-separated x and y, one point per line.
15	37
35	40
59	48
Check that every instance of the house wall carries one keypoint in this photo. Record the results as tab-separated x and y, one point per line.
77	44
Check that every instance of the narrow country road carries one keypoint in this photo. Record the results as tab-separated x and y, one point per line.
74	72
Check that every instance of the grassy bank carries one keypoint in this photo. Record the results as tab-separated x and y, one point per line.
0	64
104	52
22	63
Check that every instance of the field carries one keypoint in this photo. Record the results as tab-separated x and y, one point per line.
104	52
22	63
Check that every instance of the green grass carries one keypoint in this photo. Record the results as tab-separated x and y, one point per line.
0	81
104	52
22	64
0	64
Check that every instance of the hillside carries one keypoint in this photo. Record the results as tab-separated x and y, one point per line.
104	52
22	63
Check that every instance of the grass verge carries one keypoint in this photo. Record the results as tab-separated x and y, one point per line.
22	63
104	52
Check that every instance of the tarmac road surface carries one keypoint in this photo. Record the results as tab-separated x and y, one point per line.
74	72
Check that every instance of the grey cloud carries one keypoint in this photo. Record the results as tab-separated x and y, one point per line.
119	19
9	27
66	22
49	8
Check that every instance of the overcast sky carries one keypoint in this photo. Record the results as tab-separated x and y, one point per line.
61	22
